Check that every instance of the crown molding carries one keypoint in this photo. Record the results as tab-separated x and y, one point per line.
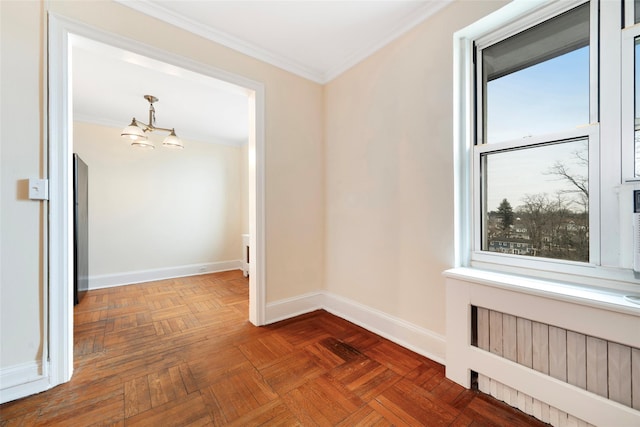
319	76
156	11
427	10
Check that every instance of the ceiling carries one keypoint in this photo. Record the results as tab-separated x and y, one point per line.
317	40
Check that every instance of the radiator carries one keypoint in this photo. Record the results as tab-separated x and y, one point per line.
567	358
606	368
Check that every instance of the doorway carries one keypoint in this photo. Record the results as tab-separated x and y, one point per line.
62	36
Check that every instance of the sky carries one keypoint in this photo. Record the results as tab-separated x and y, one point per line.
637	106
513	175
548	97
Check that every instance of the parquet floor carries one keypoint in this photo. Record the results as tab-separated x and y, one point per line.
181	353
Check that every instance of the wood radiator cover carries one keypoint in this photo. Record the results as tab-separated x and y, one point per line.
564	360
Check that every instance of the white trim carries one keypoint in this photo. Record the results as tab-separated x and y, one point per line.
427	10
462	134
319	76
257	221
420	340
628	105
629	13
590	297
294	306
522	17
163	14
22	380
60	309
140	276
610	132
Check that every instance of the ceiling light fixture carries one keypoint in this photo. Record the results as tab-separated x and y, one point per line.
136	131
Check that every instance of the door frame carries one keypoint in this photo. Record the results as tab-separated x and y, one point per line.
58	335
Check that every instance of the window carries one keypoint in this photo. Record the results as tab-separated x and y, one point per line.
631	98
636	116
533	145
537	81
549	195
548	139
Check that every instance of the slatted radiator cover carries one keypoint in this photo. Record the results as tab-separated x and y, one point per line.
609	369
564	359
606	368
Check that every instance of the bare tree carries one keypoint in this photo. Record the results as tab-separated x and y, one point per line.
555	231
579	183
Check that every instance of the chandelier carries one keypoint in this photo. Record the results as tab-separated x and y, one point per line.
137	130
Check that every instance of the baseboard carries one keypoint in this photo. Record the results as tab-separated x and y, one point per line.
401	332
406	334
131	277
22	380
292	307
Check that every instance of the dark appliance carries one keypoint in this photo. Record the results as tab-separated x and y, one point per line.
80	228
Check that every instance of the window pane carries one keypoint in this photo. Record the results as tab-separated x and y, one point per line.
537	81
636	5
535	201
637	107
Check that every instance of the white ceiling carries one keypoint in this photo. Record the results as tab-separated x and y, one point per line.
317	40
109	85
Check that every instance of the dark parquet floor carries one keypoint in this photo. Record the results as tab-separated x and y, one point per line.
181	352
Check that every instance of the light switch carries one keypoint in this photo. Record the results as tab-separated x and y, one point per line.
39	189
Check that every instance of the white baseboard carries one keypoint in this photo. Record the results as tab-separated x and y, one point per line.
131	277
406	334
22	380
292	307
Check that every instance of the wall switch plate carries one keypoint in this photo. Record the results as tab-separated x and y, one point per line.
39	189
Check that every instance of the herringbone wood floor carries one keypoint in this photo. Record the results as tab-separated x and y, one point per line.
181	352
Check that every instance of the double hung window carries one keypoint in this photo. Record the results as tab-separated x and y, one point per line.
631	79
550	122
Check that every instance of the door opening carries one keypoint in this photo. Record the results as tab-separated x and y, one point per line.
62	36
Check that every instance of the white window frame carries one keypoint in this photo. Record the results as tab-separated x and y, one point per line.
606	267
629	14
629	35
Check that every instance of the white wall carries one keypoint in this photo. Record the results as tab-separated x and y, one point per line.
389	172
244	187
162	208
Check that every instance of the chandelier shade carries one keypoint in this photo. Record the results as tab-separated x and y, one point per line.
133	132
143	143
172	141
136	132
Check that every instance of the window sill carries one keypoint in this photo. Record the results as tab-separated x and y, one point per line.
608	299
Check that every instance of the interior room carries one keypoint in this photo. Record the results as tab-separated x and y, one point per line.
397	273
174	211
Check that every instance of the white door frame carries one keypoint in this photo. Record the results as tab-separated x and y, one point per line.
58	339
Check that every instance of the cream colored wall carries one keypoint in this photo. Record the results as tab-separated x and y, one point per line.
152	209
22	156
389	172
244	186
293	153
293	165
380	184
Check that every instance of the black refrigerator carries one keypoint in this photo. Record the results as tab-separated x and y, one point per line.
80	228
